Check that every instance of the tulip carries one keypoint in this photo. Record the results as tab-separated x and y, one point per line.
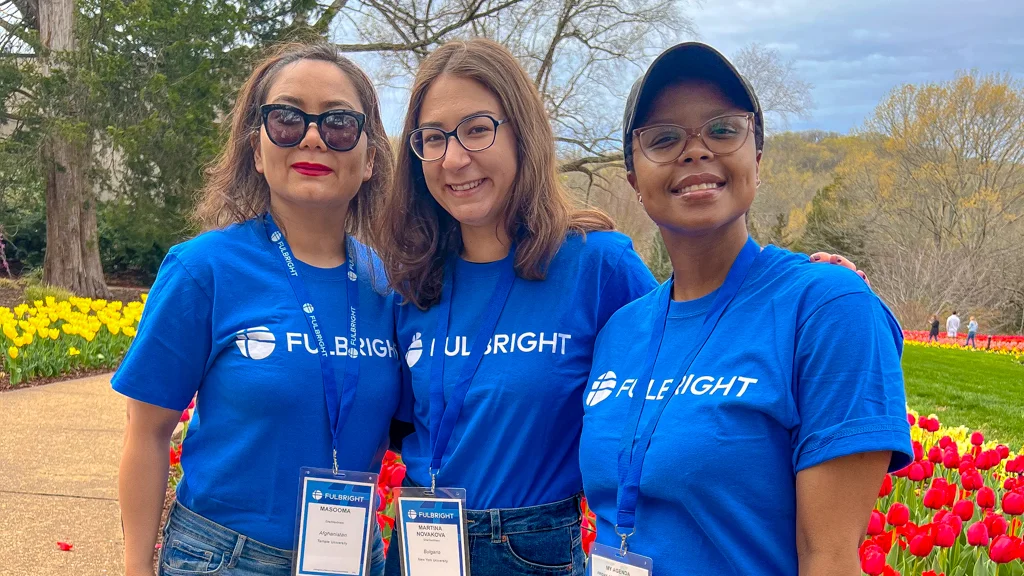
945	442
918	451
935	498
945	536
1013	503
997	525
933	425
935	455
898	514
977	439
986	498
886	488
1003	451
911	420
916	473
950	459
964	509
1004	549
876	524
922	545
977	534
1010	484
972	480
902	472
872	561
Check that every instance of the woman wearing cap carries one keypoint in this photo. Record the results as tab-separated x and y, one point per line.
479	221
303	164
735	426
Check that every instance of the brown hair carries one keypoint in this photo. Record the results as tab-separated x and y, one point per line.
414	234
236	192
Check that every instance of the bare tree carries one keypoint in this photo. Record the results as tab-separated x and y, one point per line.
781	91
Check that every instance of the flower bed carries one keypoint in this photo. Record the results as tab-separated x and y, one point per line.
1005	344
51	338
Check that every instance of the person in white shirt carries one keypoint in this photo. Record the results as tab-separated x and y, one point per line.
952	325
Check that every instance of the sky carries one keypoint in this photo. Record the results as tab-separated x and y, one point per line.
853	52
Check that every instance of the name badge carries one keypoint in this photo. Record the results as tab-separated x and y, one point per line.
432	532
608	561
333	527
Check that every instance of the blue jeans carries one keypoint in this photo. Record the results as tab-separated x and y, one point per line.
971	340
196	546
533	541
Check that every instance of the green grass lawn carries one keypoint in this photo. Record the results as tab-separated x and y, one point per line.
981	391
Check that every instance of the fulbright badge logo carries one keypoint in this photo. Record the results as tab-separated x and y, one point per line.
317	495
411	514
307	308
275	237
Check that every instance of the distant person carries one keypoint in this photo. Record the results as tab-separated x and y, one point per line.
953	326
933	334
972	332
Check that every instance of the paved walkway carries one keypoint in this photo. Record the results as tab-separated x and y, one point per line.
59	451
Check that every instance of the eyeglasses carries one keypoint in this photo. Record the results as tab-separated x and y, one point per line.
475	133
286	126
665	143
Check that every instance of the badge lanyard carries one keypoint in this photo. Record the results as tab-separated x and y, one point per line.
443	417
338	409
631	460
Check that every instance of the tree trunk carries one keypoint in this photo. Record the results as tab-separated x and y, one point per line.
72	251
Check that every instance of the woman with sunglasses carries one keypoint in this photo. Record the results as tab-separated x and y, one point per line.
735	425
274	318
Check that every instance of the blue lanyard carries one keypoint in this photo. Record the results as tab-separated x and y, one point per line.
631	460
443	417
338	409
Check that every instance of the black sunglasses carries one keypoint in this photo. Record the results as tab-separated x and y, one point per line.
286	126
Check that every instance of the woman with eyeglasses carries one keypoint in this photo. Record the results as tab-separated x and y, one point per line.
275	319
736	425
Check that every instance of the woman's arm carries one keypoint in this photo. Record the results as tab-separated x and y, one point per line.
833	504
142	481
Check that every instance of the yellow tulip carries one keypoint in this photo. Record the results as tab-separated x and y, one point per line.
38	303
98	305
54	334
143	297
73	351
27	338
51	301
129	332
20	310
11	331
113	328
89	336
13	352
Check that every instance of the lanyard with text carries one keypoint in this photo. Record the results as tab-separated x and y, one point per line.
443	417
337	408
631	460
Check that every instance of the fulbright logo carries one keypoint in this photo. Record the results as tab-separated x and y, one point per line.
411	514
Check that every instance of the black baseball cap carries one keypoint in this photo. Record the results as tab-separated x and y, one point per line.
685	61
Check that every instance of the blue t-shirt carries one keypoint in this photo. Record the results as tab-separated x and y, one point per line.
782	385
516	442
223	320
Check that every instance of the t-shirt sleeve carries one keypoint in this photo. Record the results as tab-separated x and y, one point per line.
404	412
167	360
627	279
849	384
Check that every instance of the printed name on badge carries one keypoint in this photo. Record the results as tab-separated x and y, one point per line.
334	527
432	537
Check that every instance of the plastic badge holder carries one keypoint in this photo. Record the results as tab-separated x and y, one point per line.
333	524
431	531
609	561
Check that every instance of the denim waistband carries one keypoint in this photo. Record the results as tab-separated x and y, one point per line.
499	521
184	520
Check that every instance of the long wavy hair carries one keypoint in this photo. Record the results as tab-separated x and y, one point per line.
414	235
236	192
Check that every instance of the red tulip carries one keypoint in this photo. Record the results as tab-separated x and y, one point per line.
972	480
945	442
935	455
932	573
945	536
1010	484
890	571
64	546
872	560
966	462
886	488
1004	549
184	416
977	438
898	514
933	425
964	509
918	451
191	404
977	534
1003	451
910	419
950	459
929	468
876	524
986	498
922	544
397	476
916	473
935	498
175	455
1013	503
997	525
